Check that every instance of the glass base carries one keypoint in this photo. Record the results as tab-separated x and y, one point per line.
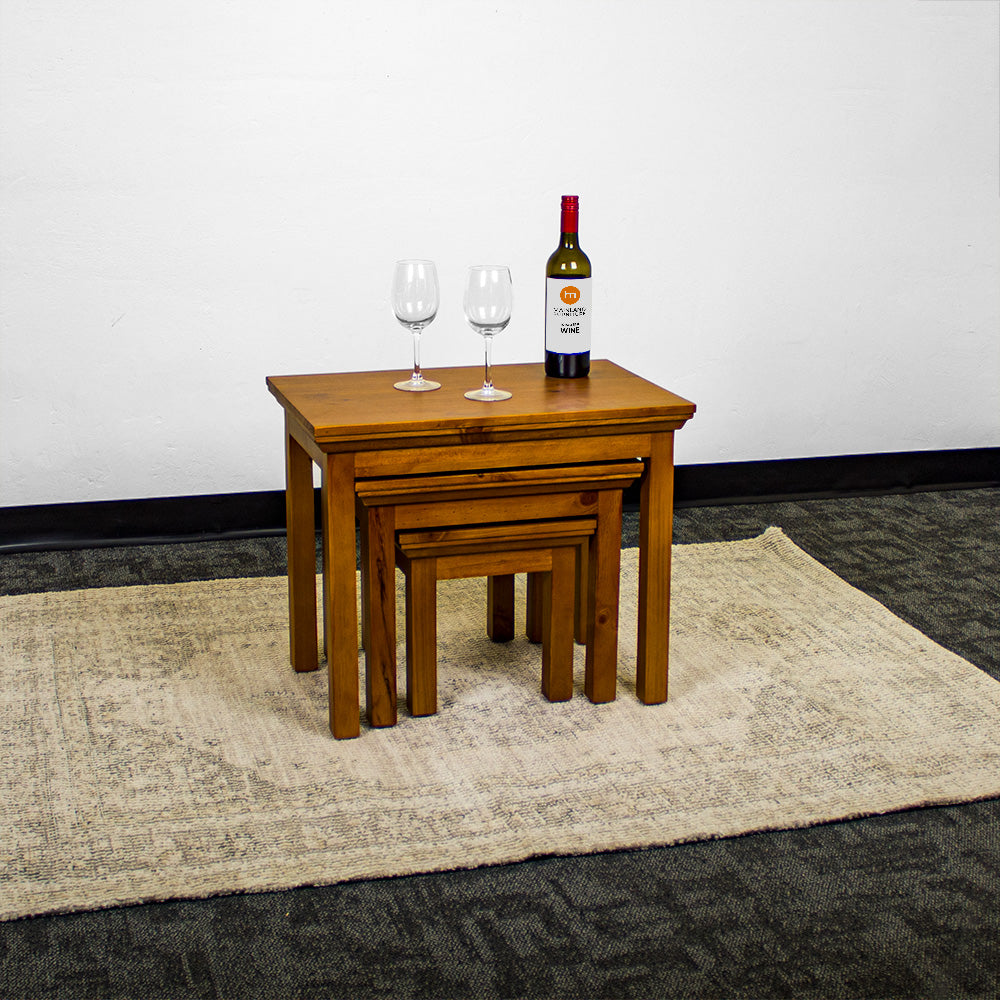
424	385
488	395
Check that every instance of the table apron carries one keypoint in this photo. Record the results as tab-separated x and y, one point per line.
501	455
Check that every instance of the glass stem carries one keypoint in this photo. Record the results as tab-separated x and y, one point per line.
416	376
488	380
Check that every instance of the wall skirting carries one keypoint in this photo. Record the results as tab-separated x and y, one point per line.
241	515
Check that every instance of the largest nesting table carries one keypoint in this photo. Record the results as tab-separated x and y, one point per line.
355	425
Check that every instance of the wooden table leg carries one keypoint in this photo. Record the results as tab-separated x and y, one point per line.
581	588
534	607
655	539
378	580
500	607
340	594
300	523
603	568
557	642
421	636
533	612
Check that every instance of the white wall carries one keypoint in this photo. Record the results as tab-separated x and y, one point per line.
792	207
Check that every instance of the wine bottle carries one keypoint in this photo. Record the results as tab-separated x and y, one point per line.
567	300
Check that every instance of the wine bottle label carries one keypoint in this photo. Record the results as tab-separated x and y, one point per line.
567	315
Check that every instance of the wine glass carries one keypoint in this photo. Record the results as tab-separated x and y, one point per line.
415	304
487	308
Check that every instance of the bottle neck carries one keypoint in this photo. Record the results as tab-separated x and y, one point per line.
570	223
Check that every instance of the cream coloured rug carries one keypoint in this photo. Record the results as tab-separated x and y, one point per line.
156	744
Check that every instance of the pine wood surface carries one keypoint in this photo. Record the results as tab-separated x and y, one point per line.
546	551
353	407
493	537
356	425
497	482
491	501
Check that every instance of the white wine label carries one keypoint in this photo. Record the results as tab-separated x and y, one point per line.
567	315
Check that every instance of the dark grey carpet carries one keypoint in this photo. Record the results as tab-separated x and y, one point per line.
904	905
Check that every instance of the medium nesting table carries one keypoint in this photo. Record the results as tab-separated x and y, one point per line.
355	425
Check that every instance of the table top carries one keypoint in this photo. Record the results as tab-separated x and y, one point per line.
364	406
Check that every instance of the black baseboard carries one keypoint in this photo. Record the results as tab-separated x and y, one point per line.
242	515
837	476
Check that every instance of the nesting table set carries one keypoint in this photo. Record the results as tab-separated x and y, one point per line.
445	487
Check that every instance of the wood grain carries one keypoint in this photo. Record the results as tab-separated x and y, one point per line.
355	407
656	516
378	582
546	551
421	637
340	594
300	519
355	426
557	637
603	567
500	607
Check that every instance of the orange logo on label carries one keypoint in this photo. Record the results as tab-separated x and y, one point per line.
570	294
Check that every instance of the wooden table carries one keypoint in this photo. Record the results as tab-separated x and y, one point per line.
356	425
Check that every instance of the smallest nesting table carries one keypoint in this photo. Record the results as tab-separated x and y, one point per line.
355	425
